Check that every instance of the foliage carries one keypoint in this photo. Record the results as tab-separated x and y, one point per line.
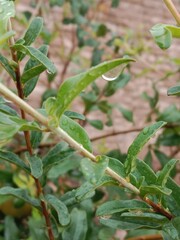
61	190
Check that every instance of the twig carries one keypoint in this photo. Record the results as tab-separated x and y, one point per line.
68	61
27	137
158	209
61	133
170	5
116	133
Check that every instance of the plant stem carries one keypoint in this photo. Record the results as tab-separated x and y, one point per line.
170	5
27	137
61	133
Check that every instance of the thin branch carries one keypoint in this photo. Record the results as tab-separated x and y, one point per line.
68	61
171	7
158	208
27	137
116	133
62	134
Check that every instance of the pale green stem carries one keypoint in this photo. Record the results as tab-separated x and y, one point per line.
61	133
170	5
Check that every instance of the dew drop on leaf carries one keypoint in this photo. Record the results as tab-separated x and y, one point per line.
145	130
114	73
72	127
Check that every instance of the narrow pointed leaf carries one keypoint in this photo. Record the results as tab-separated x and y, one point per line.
118	206
6	65
32	33
174	91
33	68
61	209
165	172
36	166
117	166
13	158
38	55
76	132
154	190
147	172
21	194
74	85
142	138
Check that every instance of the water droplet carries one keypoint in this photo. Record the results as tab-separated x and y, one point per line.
72	127
93	180
65	122
114	73
48	71
145	130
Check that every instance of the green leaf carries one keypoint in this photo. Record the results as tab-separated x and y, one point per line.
56	155
128	221
78	227
74	115
172	229
7	66
127	114
175	30
36	228
74	130
96	56
112	86
29	79
38	55
115	3
10	224
56	3
69	163
76	84
33	67
165	172
35	165
148	159
163	158
142	138
154	190
6	36
21	194
175	190
171	114
161	35
32	72
13	158
86	190
32	33
147	172
94	171
120	206
117	166
33	30
174	91
106	233
36	138
98	124
102	30
61	209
